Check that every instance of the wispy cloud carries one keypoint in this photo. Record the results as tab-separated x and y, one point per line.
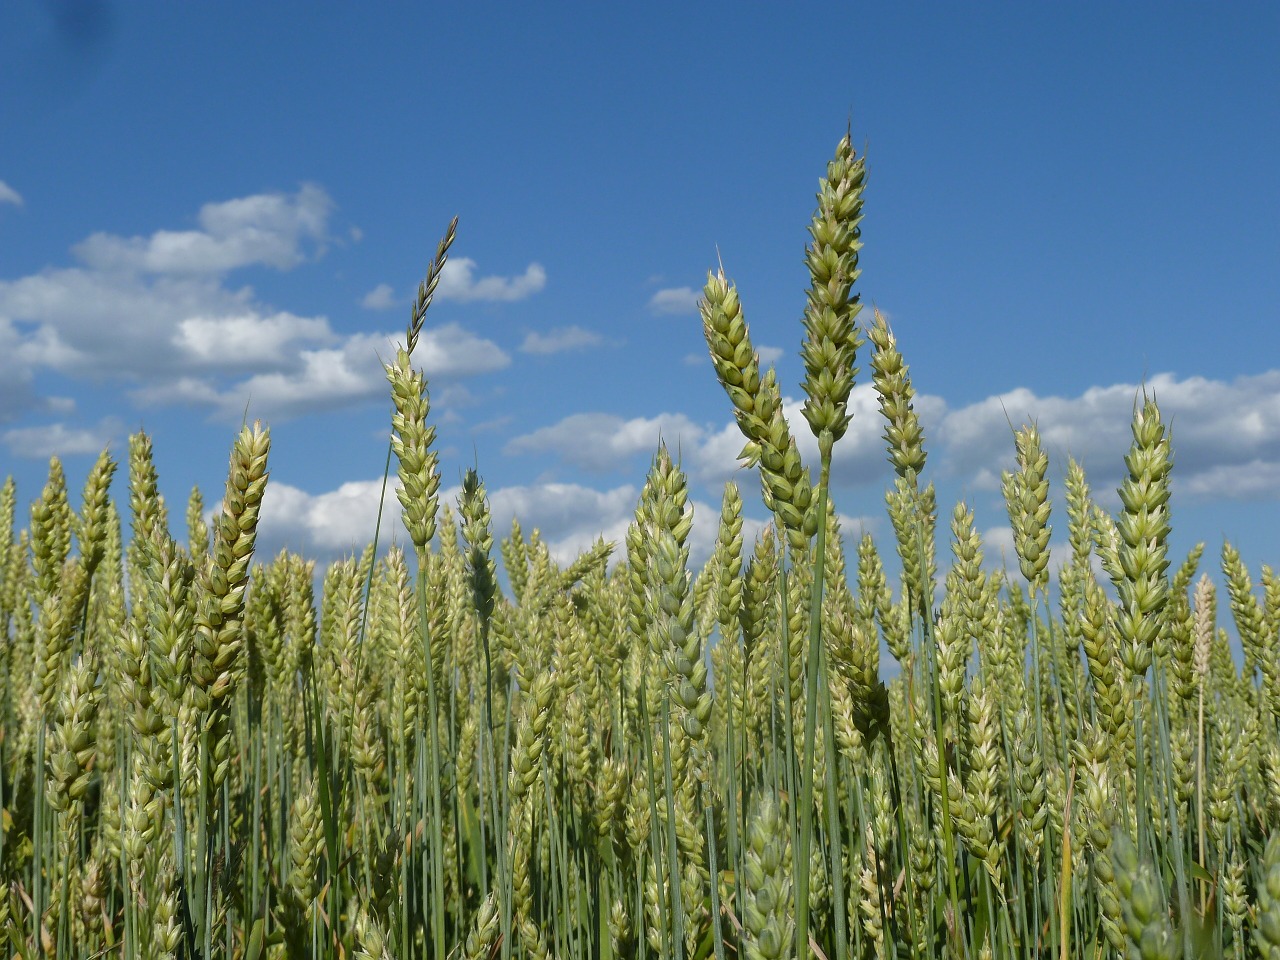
675	300
9	195
560	339
43	442
381	297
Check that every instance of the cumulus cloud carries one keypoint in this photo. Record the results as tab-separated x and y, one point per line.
43	442
9	195
569	517
1225	434
157	313
251	339
149	307
559	340
381	297
330	378
269	229
601	441
17	384
604	442
459	282
328	523
1255	480
675	300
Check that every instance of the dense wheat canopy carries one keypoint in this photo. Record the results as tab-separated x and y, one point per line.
205	752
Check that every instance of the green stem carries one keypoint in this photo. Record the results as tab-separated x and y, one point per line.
810	718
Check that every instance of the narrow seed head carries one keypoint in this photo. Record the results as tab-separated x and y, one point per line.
1079	525
736	362
51	530
93	516
1026	496
370	936
1245	608
306	839
966	545
145	503
893	384
728	559
591	560
171	625
1204	625
484	934
219	645
412	441
197	530
71	758
531	736
1142	903
757	593
1143	529
427	288
757	402
769	918
831	338
473	506
1266	933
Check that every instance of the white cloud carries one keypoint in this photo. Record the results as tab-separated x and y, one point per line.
601	441
675	300
769	355
156	307
569	517
458	282
1256	480
560	339
17	389
57	439
341	520
381	297
453	351
9	195
250	339
267	229
325	379
157	314
998	550
1225	434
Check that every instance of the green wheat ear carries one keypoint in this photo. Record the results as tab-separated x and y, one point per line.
893	384
1143	528
757	402
831	339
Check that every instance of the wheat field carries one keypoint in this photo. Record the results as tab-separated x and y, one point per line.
206	753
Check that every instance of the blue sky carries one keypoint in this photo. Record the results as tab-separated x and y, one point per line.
204	206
